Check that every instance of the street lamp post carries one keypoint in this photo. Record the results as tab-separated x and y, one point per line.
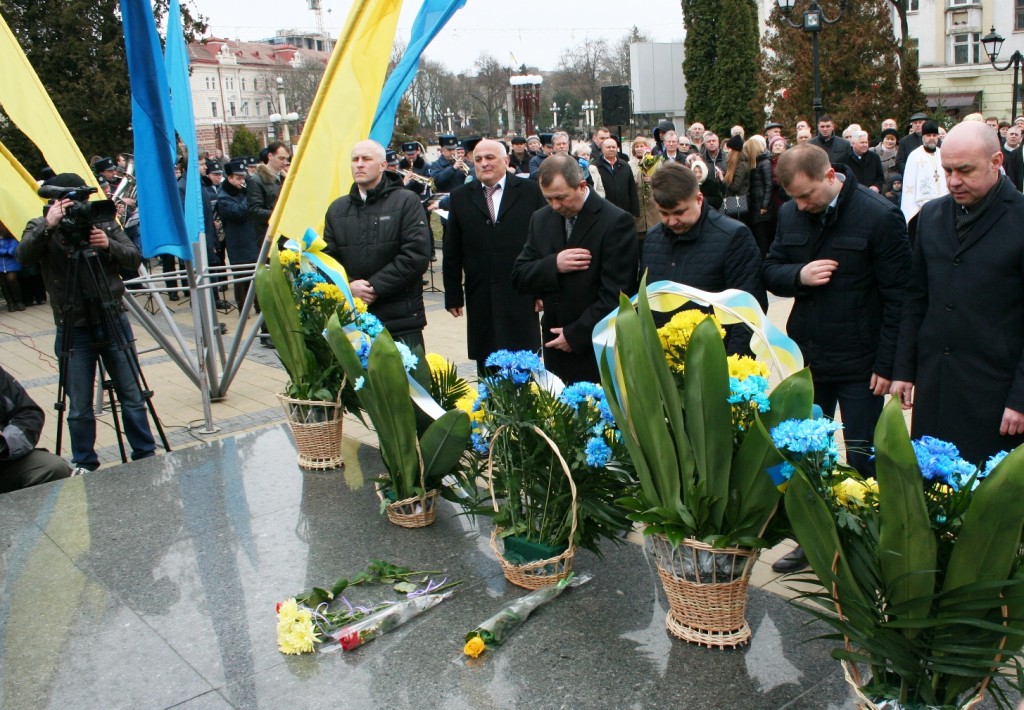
449	115
284	118
554	115
590	107
813	19
993	43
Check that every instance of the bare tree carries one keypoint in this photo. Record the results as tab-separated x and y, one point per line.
617	64
488	90
584	66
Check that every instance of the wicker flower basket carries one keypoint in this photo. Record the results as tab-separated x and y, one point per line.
540	573
415	512
316	428
706	590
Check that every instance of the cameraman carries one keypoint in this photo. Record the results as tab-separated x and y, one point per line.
47	241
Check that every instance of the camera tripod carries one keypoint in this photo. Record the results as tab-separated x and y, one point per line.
86	284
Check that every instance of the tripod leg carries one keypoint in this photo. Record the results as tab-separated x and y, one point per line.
108	387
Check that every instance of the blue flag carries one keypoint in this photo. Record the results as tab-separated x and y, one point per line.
161	217
433	15
176	61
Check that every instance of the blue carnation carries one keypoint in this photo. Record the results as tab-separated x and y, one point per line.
360	381
517	366
750	389
480	444
577	394
363	351
369	324
992	462
598	452
940	461
409	361
805	436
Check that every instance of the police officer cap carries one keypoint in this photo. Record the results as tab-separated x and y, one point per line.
547	138
448	141
103	164
391	157
236	167
469	143
410	146
251	160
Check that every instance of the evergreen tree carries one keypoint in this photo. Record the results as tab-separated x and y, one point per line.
77	49
244	143
407	126
701	22
736	69
860	71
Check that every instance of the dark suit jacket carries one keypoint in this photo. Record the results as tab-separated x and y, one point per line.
867	169
961	339
577	300
478	257
1013	164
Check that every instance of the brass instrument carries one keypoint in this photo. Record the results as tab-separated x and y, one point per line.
127	190
464	168
416	177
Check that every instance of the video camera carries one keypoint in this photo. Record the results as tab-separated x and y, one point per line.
82	215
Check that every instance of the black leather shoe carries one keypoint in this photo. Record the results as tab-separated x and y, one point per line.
791	562
173	297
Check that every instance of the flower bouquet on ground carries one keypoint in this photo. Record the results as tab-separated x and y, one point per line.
416	464
313	617
496	630
922	572
554	469
695	425
296	303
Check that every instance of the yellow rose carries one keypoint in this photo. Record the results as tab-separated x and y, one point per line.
474	647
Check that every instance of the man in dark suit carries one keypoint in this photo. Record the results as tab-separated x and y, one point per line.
864	163
1013	162
487	224
581	252
960	354
911	142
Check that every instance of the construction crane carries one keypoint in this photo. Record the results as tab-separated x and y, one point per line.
316	6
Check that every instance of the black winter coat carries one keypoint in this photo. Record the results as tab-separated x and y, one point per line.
243	244
761	189
262	191
907	145
482	254
847	328
837	147
718	253
386	241
48	249
21	420
867	169
619	186
961	337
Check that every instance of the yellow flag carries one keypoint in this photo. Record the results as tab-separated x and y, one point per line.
18	200
29	106
341	116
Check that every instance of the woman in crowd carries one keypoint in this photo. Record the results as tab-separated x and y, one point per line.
887	151
642	171
736	181
711	189
762	209
583	155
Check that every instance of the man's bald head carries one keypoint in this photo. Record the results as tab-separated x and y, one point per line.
490	162
491	145
971	158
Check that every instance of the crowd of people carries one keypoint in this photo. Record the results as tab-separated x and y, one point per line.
898	255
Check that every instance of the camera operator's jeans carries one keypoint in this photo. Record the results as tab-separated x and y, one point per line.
79	381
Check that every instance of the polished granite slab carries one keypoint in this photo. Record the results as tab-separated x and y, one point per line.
153	585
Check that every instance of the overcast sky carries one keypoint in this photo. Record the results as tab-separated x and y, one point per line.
533	31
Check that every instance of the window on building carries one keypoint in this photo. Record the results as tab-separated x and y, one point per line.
213	108
229	83
270	108
913	5
243	83
257	108
954	3
1018	22
245	108
232	107
967	48
255	84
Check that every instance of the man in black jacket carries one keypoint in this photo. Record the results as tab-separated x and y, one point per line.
842	251
617	178
487	224
47	241
378	232
581	252
837	147
21	422
911	142
700	247
864	163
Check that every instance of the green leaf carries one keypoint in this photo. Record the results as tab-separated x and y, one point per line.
281	315
391	412
708	415
907	547
405	587
443	444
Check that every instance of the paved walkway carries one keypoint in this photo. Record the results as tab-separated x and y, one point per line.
27	347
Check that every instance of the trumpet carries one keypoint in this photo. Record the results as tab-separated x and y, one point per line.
461	166
416	177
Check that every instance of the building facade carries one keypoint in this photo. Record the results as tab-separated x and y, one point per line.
241	84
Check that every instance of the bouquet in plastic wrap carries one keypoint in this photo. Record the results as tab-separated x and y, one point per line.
493	632
352	636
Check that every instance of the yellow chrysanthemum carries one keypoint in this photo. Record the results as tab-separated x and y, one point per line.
295	631
360	306
741	366
329	291
288	609
288	257
438	363
850	490
466	401
474	647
